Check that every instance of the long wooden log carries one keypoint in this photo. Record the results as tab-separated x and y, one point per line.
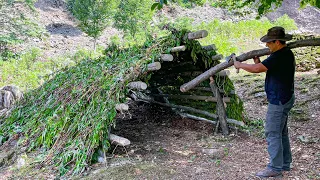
197	118
197	34
190	109
222	116
192	97
178	49
243	57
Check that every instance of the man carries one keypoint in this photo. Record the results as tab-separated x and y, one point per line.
279	87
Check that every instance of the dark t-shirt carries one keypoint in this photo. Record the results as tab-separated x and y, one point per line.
279	83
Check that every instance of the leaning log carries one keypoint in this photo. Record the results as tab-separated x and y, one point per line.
222	116
198	34
194	110
196	118
192	97
243	57
178	49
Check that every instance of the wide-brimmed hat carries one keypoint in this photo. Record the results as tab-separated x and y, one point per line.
276	33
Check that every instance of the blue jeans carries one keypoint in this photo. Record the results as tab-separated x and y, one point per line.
276	131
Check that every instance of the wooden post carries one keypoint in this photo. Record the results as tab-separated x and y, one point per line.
221	112
178	49
166	57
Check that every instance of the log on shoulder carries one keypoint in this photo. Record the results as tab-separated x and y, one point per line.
243	57
178	49
154	66
119	140
166	57
197	34
138	85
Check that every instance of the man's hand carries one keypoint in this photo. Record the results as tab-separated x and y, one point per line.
237	64
256	60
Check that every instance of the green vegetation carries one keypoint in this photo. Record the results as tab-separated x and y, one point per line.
94	15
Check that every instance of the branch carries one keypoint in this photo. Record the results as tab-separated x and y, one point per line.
243	57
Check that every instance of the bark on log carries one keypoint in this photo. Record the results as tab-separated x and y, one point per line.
217	57
178	49
209	47
154	66
192	97
222	116
197	34
137	85
119	140
243	57
166	57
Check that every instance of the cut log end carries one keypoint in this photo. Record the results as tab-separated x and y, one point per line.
198	34
178	49
122	107
166	57
138	85
119	140
154	66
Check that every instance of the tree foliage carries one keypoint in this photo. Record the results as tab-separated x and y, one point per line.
263	6
133	16
93	15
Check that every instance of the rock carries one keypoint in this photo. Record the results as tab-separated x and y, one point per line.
5	157
214	153
21	162
318	72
